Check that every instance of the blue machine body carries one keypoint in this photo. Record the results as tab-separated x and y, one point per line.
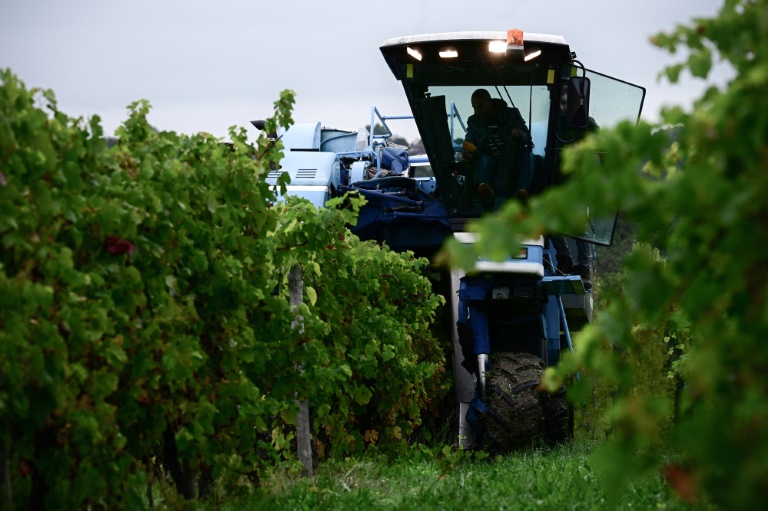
314	176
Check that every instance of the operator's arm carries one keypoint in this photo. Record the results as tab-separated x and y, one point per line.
520	130
471	141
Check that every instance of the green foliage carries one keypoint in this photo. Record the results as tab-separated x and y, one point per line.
145	315
697	202
372	367
558	479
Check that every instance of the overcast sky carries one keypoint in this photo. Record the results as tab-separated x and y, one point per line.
208	65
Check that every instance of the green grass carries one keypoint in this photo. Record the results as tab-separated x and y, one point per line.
557	479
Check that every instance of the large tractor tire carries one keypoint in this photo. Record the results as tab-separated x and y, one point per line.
514	419
558	417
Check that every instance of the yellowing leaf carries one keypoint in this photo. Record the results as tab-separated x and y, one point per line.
289	416
311	294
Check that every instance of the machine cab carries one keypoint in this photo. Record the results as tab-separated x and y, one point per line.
493	112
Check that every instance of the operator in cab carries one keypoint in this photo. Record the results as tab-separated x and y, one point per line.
496	145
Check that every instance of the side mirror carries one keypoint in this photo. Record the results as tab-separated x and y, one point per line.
578	101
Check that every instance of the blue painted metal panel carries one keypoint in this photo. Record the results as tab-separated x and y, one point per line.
552	316
478	320
337	141
301	136
312	175
471	291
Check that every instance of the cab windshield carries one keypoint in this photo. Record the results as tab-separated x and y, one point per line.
515	171
494	134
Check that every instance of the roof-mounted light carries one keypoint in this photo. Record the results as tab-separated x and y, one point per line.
413	53
532	54
497	46
515	46
448	53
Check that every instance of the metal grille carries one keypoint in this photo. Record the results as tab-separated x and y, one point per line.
306	173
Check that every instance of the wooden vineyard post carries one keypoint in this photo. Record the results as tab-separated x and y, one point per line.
303	428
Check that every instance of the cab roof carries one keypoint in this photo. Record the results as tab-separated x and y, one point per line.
472	36
471	47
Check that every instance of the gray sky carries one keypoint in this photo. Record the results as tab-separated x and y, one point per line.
205	65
